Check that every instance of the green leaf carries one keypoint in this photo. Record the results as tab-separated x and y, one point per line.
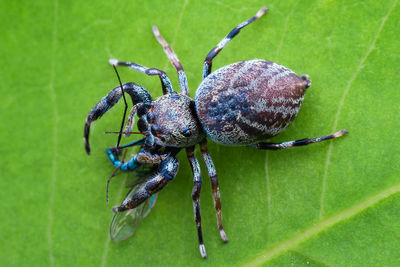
331	204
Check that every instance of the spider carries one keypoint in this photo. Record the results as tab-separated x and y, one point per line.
243	103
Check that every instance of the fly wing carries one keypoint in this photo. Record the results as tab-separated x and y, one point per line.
141	173
124	224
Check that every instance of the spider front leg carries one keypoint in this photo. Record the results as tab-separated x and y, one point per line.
194	163
214	52
214	186
137	93
165	81
167	171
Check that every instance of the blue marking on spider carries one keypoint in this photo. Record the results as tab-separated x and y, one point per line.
131	165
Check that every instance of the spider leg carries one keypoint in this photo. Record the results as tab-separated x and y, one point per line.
137	93
214	186
208	61
166	172
183	85
301	142
165	81
142	157
131	120
147	157
194	163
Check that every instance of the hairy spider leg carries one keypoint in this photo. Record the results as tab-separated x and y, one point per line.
214	52
183	84
194	163
167	170
137	93
131	120
301	142
144	124
212	173
148	157
165	81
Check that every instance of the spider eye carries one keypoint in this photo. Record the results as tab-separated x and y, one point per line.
187	132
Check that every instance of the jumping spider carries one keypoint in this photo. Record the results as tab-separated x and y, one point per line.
240	104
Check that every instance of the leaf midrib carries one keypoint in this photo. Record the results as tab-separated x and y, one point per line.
322	225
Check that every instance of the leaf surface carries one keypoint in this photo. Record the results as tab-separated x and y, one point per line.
328	204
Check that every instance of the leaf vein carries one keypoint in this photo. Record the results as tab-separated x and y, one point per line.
323	225
285	30
108	239
341	103
305	255
55	134
178	25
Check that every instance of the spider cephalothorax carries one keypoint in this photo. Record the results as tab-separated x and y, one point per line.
173	122
239	104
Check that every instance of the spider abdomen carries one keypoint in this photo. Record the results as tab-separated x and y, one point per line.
249	101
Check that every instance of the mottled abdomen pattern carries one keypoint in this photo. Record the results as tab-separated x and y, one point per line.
249	101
